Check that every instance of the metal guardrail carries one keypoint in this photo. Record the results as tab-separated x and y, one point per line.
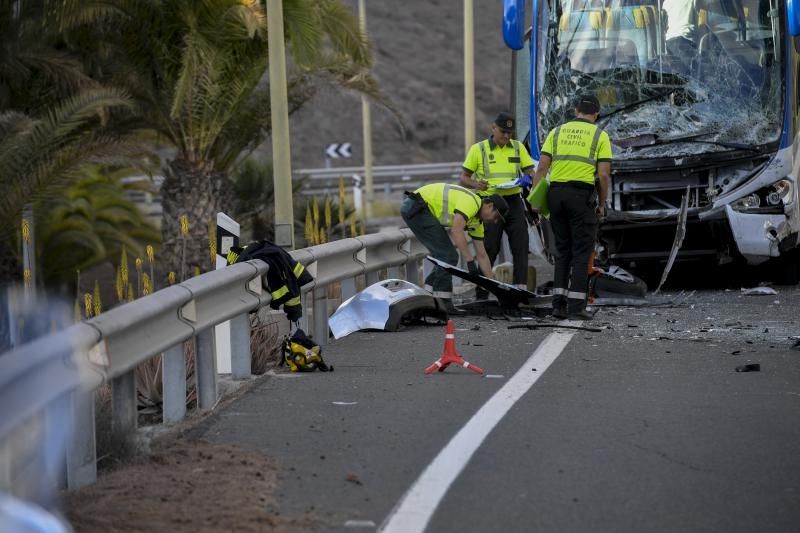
386	178
390	178
65	368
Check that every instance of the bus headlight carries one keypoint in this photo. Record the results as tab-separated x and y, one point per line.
767	201
749	202
783	189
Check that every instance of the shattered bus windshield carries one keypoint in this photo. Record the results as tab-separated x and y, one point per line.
708	71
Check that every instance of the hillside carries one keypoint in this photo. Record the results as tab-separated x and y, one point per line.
418	49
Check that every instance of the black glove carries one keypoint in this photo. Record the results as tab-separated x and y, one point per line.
473	267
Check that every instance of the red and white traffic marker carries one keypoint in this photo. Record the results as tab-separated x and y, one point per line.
450	355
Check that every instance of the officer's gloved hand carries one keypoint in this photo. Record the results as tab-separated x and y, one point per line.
473	267
524	181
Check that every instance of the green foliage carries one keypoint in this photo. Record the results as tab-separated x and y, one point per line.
53	117
89	225
198	67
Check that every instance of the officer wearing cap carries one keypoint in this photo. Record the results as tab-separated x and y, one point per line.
503	161
433	209
577	154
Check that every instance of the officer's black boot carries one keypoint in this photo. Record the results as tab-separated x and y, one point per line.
451	309
576	309
559	307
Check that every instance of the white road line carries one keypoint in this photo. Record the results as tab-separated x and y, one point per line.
415	509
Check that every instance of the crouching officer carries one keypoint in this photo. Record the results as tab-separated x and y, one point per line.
492	162
574	153
431	210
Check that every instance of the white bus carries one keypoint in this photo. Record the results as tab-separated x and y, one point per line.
697	95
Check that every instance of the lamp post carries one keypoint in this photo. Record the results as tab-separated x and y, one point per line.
366	126
281	153
469	76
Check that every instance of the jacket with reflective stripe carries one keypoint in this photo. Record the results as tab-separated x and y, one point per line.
284	278
575	148
497	164
444	199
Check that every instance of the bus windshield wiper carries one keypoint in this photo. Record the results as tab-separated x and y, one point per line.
655	141
638	103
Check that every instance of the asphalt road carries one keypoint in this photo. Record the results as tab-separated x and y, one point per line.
645	426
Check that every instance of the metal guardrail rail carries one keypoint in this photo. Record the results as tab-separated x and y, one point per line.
59	373
390	178
386	178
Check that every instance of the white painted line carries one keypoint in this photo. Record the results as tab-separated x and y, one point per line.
415	509
493	376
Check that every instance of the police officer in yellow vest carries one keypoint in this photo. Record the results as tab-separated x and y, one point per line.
431	210
501	160
576	153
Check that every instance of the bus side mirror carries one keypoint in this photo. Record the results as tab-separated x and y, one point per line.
793	12
514	23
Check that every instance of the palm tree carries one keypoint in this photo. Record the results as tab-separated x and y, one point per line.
90	223
52	119
198	69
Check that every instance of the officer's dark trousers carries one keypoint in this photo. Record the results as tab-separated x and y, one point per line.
574	222
430	232
516	226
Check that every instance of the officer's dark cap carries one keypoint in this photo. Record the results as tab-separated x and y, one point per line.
499	203
587	104
505	121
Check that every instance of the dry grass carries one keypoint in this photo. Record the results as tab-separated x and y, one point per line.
266	345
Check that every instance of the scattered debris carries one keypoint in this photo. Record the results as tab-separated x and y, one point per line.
680	233
796	345
751	367
352	478
386	306
360	523
344	403
759	291
557	326
508	296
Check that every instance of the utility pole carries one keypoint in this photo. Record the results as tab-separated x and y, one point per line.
281	152
469	76
366	125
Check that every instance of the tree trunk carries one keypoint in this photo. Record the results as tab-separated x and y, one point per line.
199	193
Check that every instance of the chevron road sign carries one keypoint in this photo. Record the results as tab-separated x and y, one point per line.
335	151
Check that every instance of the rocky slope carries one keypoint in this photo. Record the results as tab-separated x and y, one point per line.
419	49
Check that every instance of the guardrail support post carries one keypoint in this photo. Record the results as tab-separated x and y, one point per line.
173	370
321	316
412	272
81	452
303	322
241	353
372	278
123	403
395	273
348	288
206	369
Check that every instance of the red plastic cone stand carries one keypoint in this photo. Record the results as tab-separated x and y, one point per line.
450	355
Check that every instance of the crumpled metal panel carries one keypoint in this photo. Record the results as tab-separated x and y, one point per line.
381	306
508	296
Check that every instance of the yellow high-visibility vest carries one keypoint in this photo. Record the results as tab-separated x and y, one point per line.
444	200
575	148
497	164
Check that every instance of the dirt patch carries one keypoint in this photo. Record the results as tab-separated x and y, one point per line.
184	486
